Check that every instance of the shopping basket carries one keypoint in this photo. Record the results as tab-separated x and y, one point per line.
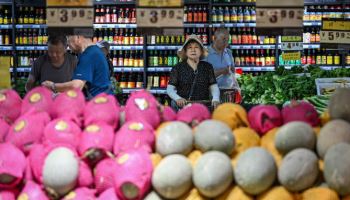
230	96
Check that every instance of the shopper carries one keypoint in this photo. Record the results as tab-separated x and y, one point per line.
56	66
222	60
92	72
192	79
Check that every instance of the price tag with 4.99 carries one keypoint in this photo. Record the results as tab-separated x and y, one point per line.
70	17
160	17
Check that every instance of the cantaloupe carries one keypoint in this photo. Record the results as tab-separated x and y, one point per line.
319	193
213	173
234	193
172	178
174	138
337	168
333	132
193	195
153	196
214	135
255	171
295	135
339	107
299	170
276	193
268	142
194	156
233	115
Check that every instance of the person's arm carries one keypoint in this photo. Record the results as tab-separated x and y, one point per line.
222	71
30	83
62	87
215	92
34	74
172	93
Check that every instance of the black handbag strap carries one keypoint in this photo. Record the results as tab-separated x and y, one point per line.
193	84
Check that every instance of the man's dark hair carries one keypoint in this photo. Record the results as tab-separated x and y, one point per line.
56	39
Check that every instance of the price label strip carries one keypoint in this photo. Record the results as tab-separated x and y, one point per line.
156	17
279	18
291	56
70	17
337	37
336	25
160	3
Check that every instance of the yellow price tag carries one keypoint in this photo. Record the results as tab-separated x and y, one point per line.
291	39
336	25
69	2
291	56
160	3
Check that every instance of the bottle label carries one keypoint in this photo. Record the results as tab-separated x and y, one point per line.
336	60
329	60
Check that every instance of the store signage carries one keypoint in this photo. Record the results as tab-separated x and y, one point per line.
338	37
70	17
291	39
337	25
292	46
279	17
69	3
291	56
280	3
160	3
163	18
5	80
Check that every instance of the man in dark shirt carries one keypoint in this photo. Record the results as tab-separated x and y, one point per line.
56	66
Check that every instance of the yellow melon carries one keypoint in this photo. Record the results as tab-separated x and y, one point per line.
233	115
194	156
245	138
156	158
319	193
268	142
234	193
193	195
276	193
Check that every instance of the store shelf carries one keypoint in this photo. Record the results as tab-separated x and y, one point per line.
5	26
257	68
31	26
196	25
159	69
115	25
198	2
311	46
347	67
21	69
322	2
136	47
6	2
29	48
312	23
128	69
130	90
5	48
253	46
234	3
234	24
118	2
161	47
158	91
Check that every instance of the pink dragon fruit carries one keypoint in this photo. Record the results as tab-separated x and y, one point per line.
193	114
142	105
10	105
39	98
69	104
32	190
108	195
12	166
168	114
4	128
300	111
104	173
102	108
132	179
263	118
96	140
85	178
134	134
82	193
27	130
62	130
7	195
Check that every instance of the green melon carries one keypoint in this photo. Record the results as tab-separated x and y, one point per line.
255	170
339	106
337	168
153	196
213	173
295	135
214	135
174	138
299	170
332	133
172	177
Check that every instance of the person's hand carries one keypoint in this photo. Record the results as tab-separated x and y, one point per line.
47	84
215	104
181	102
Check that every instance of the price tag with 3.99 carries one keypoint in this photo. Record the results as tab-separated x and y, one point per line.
70	17
279	17
160	17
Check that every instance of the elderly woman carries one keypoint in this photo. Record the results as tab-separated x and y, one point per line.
193	79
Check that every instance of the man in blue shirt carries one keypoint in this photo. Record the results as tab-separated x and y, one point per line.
92	71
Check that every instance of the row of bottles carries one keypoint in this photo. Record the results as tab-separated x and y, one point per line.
114	14
127	58
248	36
316	13
118	36
195	14
311	35
321	57
202	33
233	14
5	15
130	80
165	39
158	80
26	58
251	57
31	15
162	58
5	37
31	36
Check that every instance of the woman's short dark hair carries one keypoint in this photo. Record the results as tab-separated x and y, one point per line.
56	39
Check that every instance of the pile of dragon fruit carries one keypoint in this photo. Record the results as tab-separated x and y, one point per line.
68	148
